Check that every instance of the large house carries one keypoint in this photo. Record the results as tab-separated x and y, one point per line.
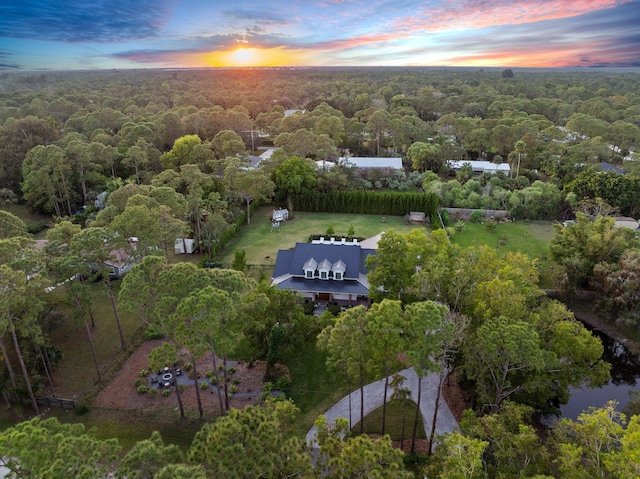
326	270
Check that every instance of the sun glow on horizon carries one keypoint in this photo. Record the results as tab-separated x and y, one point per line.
252	57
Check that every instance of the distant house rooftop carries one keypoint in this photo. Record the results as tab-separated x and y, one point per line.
480	166
608	167
372	162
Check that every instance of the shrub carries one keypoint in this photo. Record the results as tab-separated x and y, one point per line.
334	308
239	260
204	386
143	388
143	373
330	231
188	366
153	332
231	370
166	392
491	226
444	214
283	383
139	382
308	308
82	408
459	226
233	389
351	232
35	228
476	217
236	381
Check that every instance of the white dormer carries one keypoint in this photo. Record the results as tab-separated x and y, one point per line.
324	268
338	268
310	268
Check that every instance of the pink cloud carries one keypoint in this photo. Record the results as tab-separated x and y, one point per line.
472	14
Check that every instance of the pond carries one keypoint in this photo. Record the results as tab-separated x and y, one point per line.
625	377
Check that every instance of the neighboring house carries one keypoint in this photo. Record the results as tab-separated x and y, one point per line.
479	166
609	168
366	162
121	260
326	270
254	161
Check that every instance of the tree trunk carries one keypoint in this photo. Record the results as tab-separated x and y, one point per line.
349	387
93	346
197	386
404	422
115	312
178	396
361	396
23	366
417	416
384	400
12	375
248	211
434	420
215	370
226	383
47	367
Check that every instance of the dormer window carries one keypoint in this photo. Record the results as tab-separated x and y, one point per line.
309	268
338	268
323	268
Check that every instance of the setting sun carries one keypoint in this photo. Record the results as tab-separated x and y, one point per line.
244	56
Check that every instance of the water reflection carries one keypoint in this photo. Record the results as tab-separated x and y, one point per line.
625	377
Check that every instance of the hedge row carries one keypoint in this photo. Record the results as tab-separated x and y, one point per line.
367	202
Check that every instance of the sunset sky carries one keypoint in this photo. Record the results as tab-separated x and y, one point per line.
80	34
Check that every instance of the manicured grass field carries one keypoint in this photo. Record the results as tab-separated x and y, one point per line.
531	238
261	241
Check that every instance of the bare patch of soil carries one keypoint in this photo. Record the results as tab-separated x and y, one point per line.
455	397
121	392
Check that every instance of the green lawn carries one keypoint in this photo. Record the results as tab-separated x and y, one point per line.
76	370
397	410
531	238
261	242
29	218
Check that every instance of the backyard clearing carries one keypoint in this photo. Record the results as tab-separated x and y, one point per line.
121	392
261	241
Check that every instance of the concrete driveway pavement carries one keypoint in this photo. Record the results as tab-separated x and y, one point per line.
373	399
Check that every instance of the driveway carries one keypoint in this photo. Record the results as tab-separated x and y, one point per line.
373	399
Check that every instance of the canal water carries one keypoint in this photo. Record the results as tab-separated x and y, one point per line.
625	377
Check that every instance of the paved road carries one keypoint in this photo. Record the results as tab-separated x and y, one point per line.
373	399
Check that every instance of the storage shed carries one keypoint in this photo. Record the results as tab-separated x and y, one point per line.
181	243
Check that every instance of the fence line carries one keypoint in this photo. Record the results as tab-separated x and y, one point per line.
48	401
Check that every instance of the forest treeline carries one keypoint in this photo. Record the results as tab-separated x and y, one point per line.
94	129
